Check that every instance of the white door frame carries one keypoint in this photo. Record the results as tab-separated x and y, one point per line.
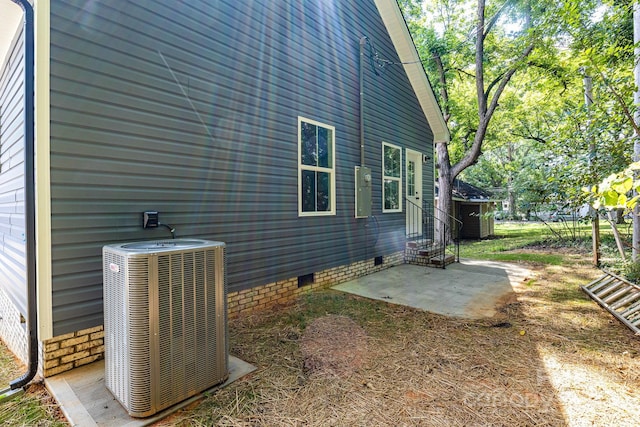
413	191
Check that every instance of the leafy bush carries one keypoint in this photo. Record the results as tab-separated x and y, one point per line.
631	271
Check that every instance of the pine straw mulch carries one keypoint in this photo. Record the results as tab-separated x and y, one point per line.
550	357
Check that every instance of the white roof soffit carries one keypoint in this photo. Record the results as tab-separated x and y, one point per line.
402	41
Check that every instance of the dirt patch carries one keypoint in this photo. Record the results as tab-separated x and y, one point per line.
333	345
507	300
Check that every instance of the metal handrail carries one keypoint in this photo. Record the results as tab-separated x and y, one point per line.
459	224
427	234
458	221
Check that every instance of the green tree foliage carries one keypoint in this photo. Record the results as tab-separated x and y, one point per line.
588	144
616	190
558	144
473	52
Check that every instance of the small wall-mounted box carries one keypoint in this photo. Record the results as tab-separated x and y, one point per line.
150	219
363	192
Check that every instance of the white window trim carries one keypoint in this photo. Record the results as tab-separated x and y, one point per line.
331	171
399	179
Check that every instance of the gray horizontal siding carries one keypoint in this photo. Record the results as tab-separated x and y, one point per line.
215	152
12	222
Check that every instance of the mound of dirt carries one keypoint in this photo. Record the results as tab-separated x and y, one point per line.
333	345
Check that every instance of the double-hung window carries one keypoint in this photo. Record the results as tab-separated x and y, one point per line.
391	178
316	171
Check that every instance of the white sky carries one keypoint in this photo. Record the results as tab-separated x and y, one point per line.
10	18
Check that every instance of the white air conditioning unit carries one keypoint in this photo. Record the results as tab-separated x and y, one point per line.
165	321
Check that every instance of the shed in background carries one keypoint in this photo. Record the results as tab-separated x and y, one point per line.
474	207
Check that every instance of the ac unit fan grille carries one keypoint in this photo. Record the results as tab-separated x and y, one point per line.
187	342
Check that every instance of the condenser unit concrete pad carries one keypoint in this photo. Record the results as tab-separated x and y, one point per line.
85	400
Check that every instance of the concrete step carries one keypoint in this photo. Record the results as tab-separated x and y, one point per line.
427	252
419	243
448	259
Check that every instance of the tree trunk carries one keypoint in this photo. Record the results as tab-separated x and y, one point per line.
486	107
445	192
512	200
444	94
510	192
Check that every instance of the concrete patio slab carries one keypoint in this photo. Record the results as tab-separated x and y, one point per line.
469	289
86	402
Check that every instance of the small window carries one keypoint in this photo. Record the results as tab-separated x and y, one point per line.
411	177
316	172
391	178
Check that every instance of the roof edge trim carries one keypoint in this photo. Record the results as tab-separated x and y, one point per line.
403	42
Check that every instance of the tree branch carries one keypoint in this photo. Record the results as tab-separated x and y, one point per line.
619	98
480	36
529	136
466	73
505	80
485	117
494	19
554	71
492	84
444	94
487	29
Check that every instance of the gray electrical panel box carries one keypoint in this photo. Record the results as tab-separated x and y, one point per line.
363	192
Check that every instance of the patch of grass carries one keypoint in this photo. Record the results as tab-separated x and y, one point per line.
508	236
632	271
9	366
525	236
562	294
316	304
539	258
33	408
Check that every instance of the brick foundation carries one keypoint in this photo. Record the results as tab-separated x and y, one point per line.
284	291
69	351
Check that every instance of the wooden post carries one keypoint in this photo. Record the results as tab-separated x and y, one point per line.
595	222
636	116
595	238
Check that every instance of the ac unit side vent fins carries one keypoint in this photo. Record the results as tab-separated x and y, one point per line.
165	321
